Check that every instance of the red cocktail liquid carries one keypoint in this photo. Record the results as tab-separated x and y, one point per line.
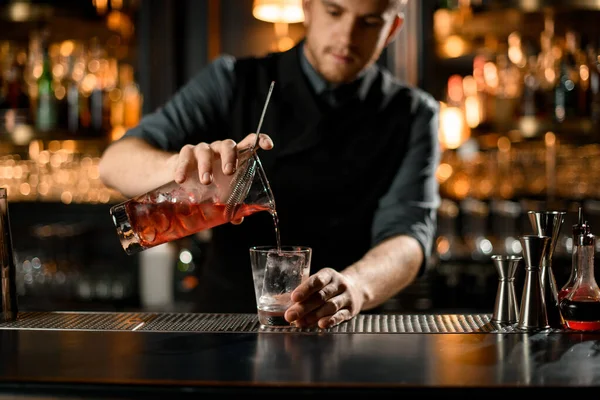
581	315
157	223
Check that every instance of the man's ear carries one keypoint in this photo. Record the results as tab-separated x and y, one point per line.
395	29
306	5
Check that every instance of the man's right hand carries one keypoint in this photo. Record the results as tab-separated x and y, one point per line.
202	156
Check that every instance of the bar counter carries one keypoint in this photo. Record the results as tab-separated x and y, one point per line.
145	355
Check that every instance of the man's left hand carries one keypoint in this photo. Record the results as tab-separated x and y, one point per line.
326	299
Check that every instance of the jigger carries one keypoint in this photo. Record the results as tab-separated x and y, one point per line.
548	223
506	307
532	313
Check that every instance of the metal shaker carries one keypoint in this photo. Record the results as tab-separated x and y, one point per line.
548	223
8	295
506	307
532	312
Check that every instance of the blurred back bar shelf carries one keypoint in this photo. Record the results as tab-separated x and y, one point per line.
67	90
519	73
74	76
519	88
64	171
520	99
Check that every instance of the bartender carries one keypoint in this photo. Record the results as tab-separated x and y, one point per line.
349	150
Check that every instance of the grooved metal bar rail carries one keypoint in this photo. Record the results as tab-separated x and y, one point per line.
190	322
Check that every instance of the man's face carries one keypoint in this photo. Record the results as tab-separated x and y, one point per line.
345	36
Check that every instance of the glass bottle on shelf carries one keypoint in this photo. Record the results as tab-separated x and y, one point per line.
585	70
547	68
581	307
594	85
72	98
132	98
96	99
46	107
508	92
68	99
530	102
16	98
567	85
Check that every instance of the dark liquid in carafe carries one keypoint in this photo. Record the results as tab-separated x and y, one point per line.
581	315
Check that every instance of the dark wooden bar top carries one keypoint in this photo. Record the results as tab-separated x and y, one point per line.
117	358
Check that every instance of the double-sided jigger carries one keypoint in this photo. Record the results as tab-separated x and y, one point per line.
548	223
532	313
506	307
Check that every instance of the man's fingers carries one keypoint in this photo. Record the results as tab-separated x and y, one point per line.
237	221
322	302
337	318
314	283
227	151
265	142
204	156
185	157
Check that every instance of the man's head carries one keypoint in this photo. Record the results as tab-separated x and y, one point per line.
343	37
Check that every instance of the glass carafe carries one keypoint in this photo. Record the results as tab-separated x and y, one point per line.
580	228
174	211
581	307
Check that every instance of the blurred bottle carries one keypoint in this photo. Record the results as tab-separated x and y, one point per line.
72	87
508	92
594	90
46	105
585	69
483	97
567	85
532	107
69	99
547	68
530	87
96	99
132	98
16	97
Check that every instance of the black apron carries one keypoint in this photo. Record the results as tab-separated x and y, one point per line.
328	170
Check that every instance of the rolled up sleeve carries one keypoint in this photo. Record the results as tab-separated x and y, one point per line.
410	206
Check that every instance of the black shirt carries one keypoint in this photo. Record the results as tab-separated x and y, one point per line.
348	170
